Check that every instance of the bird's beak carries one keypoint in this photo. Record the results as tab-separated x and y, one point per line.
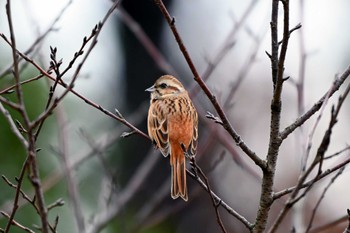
151	89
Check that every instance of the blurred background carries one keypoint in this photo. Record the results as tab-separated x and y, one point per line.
227	40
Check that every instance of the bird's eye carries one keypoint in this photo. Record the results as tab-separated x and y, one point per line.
163	85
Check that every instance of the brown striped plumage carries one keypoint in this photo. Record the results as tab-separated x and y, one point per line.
173	122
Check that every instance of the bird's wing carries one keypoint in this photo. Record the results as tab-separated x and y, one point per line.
158	130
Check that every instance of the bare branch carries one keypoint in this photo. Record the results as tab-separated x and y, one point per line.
309	139
73	192
229	209
337	153
226	123
330	224
315	179
152	50
302	119
275	141
13	126
321	198
13	222
198	171
102	218
40	38
59	202
86	100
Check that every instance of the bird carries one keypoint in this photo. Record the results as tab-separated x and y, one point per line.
173	128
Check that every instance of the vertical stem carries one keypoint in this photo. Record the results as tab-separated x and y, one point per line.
268	173
72	186
302	64
35	179
274	41
31	150
14	54
277	66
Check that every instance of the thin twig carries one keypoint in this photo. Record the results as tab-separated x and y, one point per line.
40	38
306	116
313	129
317	160
321	198
16	198
216	205
14	56
144	217
330	225
72	186
337	153
55	66
13	126
10	88
244	70
327	172
104	142
24	195
146	42
96	32
222	202
229	41
86	100
102	218
15	223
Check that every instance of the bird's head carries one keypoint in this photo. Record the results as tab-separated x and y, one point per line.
165	86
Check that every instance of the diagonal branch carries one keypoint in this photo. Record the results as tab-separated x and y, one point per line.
198	171
13	126
321	198
226	123
302	119
222	202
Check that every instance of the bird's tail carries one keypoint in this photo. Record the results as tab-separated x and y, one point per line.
178	173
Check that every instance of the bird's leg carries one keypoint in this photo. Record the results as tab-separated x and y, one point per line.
192	160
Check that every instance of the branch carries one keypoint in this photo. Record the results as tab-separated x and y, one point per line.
317	160
135	183
216	204
150	47
226	124
9	89
86	100
16	198
14	55
308	183
40	38
321	198
243	72
13	222
73	192
302	119
275	141
330	224
309	138
222	202
55	66
13	126
30	160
